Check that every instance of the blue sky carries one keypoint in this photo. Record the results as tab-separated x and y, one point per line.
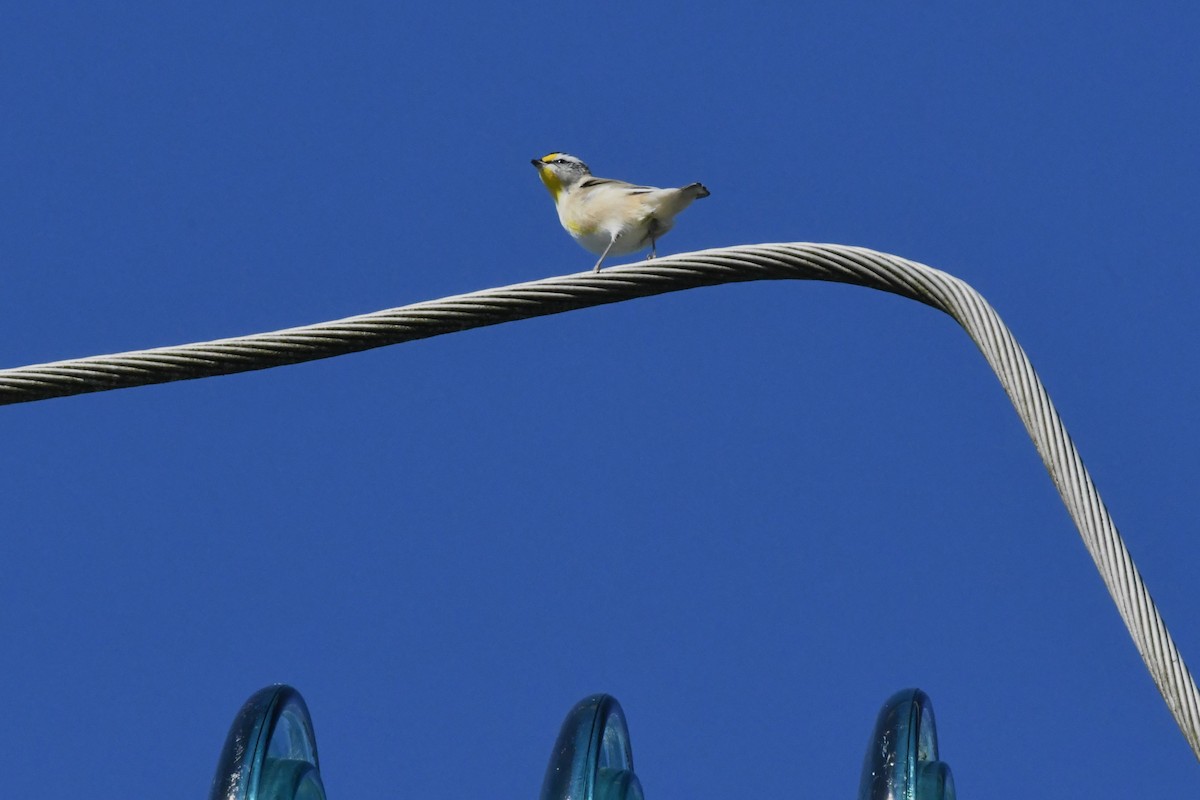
750	512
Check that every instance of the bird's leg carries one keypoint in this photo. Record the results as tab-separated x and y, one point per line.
605	253
653	238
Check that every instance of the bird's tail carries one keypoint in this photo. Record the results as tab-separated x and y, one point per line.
696	190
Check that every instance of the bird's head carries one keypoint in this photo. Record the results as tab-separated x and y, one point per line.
560	172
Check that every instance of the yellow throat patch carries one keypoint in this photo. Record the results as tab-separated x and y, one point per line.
550	179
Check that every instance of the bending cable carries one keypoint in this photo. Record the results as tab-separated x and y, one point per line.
825	262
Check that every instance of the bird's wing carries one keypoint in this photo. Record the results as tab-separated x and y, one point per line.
615	184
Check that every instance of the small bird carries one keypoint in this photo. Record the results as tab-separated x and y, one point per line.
607	216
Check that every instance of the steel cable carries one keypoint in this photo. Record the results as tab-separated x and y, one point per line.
836	263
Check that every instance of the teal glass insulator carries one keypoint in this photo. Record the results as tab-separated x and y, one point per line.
902	756
270	752
592	758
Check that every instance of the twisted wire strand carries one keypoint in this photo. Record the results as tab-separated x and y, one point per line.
803	261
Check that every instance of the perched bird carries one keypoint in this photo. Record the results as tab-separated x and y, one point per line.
607	216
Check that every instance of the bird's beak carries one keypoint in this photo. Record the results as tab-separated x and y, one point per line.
537	162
